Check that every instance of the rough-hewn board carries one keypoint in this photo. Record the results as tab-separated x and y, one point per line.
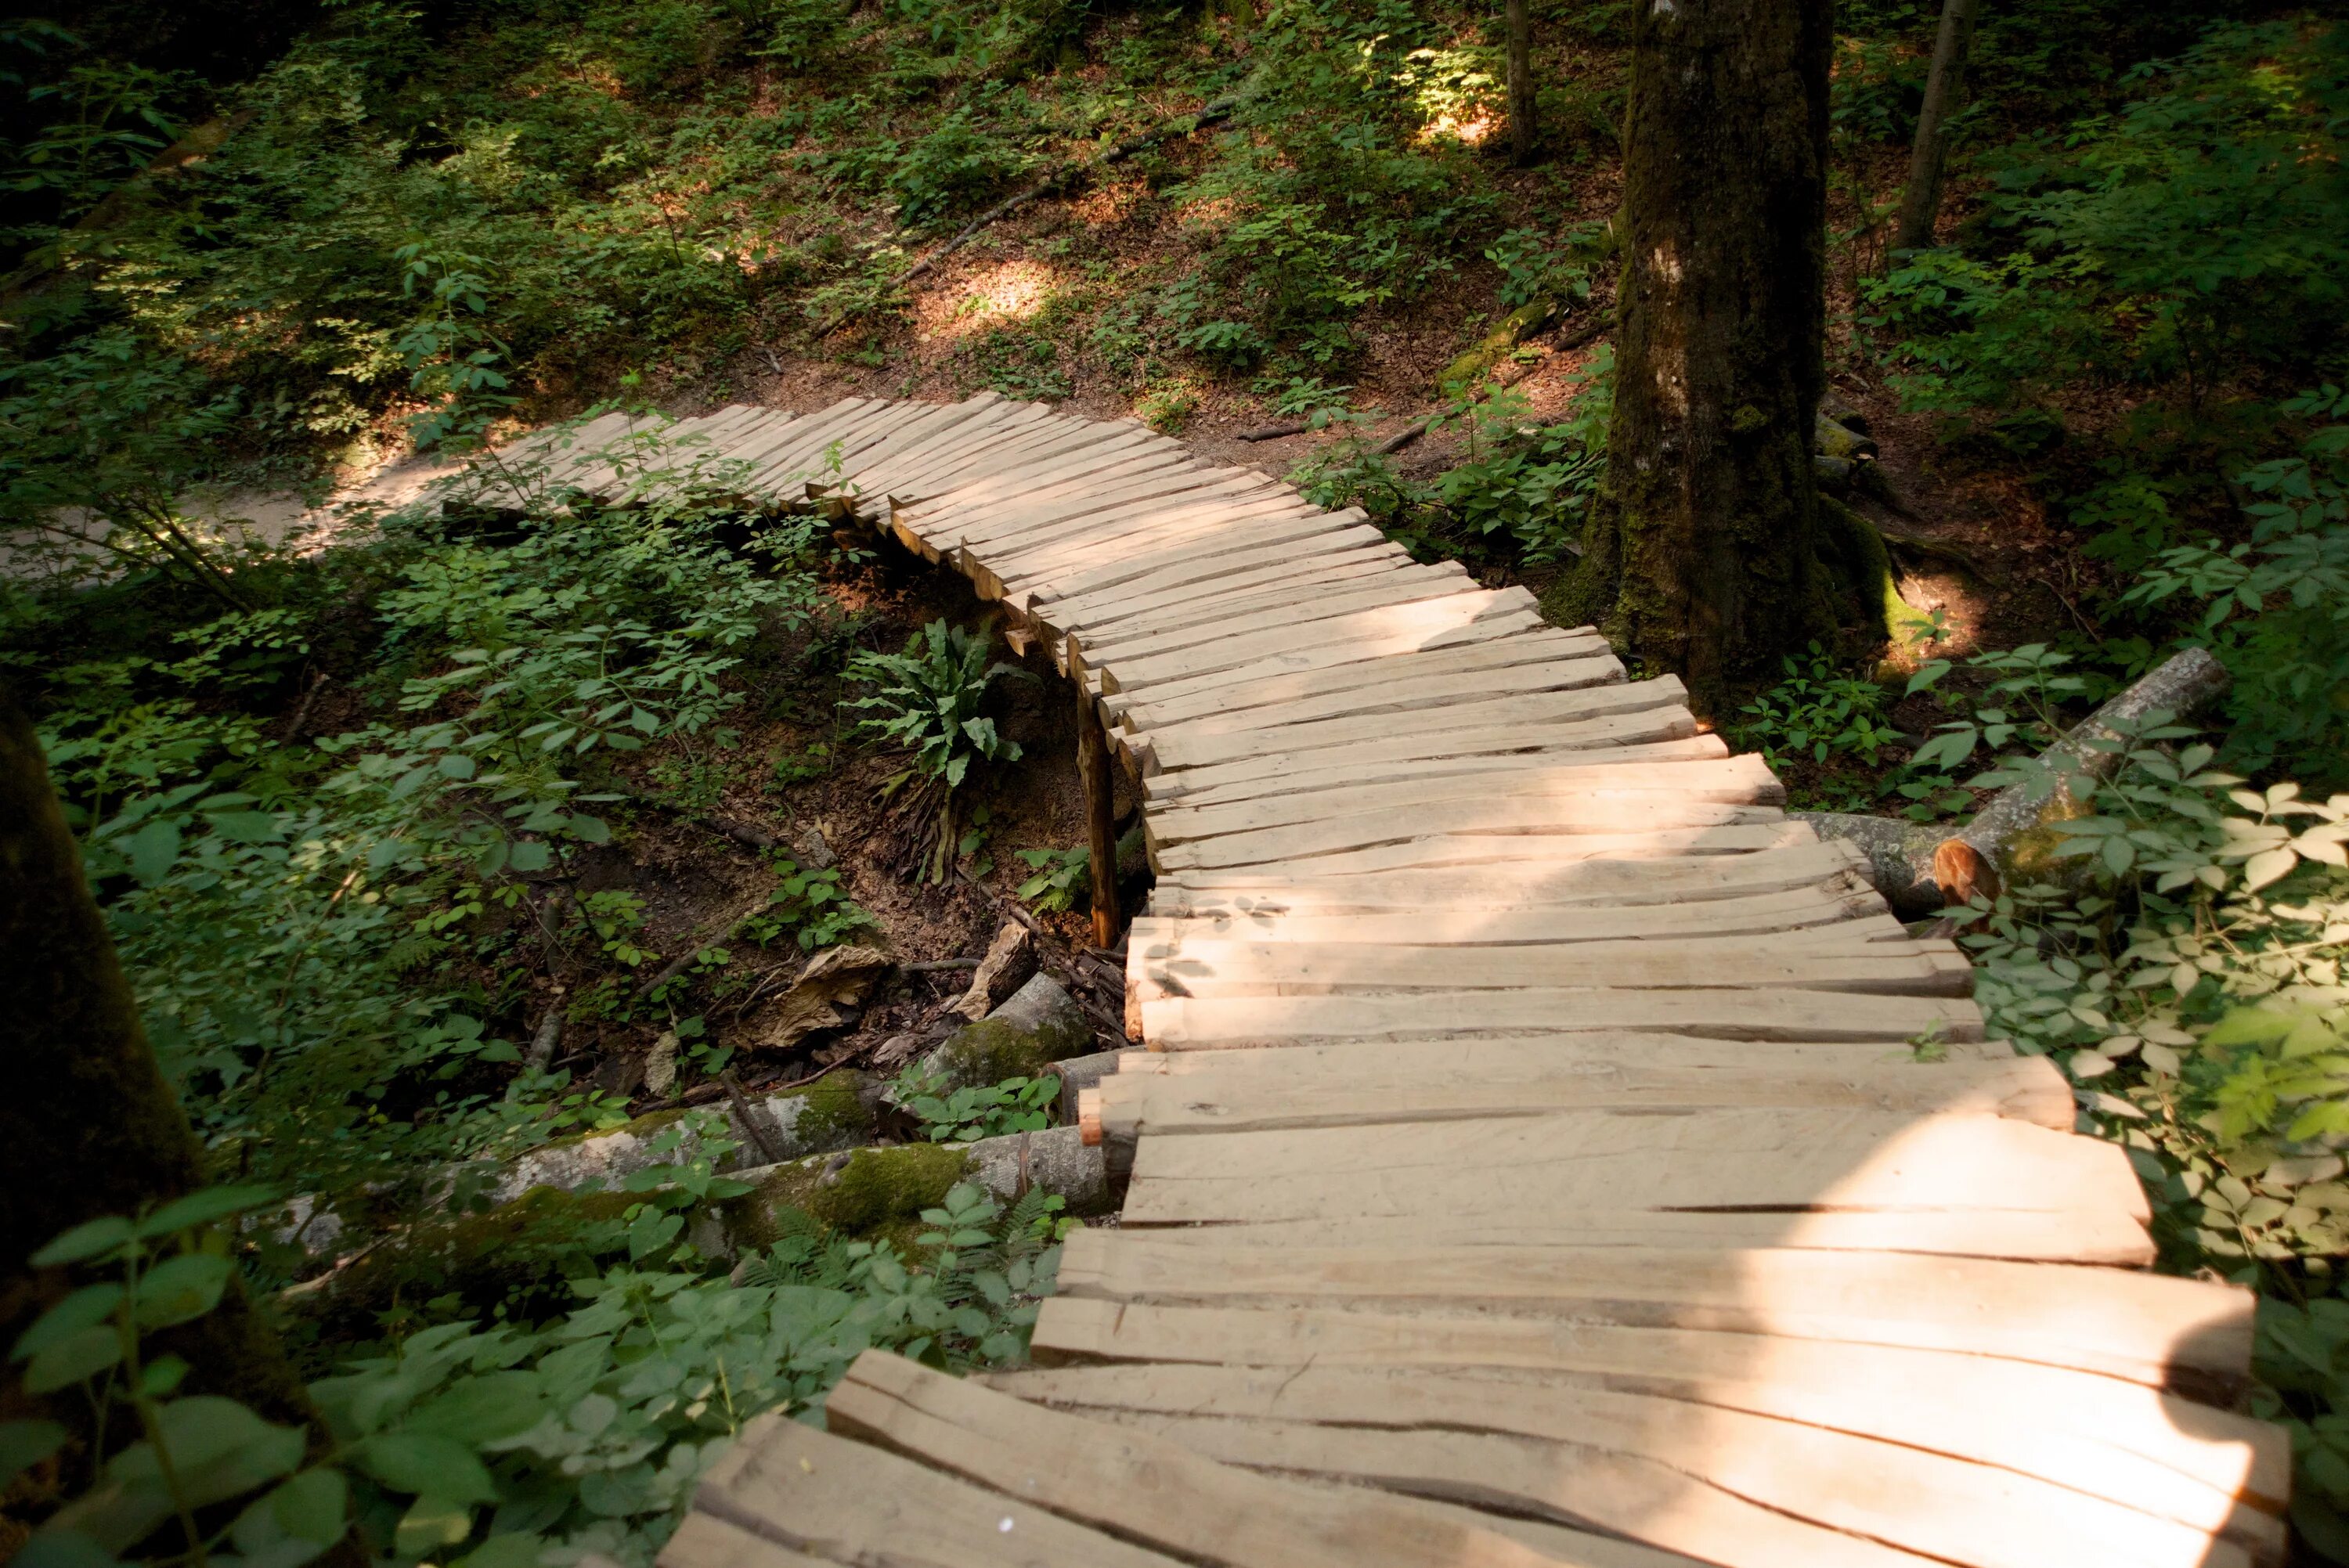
2147	1328
1785	1161
1148	1490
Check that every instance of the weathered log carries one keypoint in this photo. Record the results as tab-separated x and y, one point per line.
1919	869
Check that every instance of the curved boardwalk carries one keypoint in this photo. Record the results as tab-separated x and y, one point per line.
1544	1151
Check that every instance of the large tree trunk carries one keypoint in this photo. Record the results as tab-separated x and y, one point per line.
1525	122
1921	202
88	1126
1702	553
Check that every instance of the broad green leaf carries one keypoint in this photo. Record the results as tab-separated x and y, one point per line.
518	1549
429	1465
297	1521
208	1207
87	1240
182	1289
54	1548
85	1308
431	1522
153	848
481	1410
78	1356
23	1444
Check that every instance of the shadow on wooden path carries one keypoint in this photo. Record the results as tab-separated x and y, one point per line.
1543	1151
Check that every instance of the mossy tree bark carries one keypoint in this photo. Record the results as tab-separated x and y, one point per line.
1525	125
1703	550
88	1126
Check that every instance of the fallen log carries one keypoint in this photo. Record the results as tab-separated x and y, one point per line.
1920	869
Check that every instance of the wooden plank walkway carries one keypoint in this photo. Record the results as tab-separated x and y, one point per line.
1626	1188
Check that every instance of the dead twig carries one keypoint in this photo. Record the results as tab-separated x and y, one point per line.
1274	432
750	1123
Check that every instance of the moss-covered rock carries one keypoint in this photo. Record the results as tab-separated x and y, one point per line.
863	1191
834	1112
1037	1026
517	1259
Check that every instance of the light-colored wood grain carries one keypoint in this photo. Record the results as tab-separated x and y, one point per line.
1146	1488
2109	1437
1802	962
1434	925
2147	1328
1296	605
1659	1469
849	1504
1415	625
1739	780
1132	1106
1455	755
1596	884
1786	1160
1383	759
706	1542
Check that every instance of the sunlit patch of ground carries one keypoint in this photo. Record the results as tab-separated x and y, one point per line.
998	295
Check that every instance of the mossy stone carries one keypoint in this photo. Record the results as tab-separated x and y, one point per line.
834	1110
1039	1025
881	1185
867	1192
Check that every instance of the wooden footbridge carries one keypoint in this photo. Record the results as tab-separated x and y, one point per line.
1544	1151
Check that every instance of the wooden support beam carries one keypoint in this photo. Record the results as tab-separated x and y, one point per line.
1093	765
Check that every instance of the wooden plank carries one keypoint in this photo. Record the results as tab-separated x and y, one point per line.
1220	511
1401	693
1444	1064
937	422
1025	439
2147	1328
1129	1106
1506	619
1286	969
1096	480
1146	1489
1856	914
1192	1023
809	433
703	1541
1353	549
1540	644
1407	627
1736	780
1179	746
1786	1160
1652	735
849	1503
1733	829
1205	518
2108	1436
1076	484
901	479
1297	605
1565	1452
1208	521
1144	565
1834	868
1319	580
995	470
1568	745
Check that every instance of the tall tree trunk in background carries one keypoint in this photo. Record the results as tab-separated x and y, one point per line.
1921	203
88	1125
1703	549
1524	123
